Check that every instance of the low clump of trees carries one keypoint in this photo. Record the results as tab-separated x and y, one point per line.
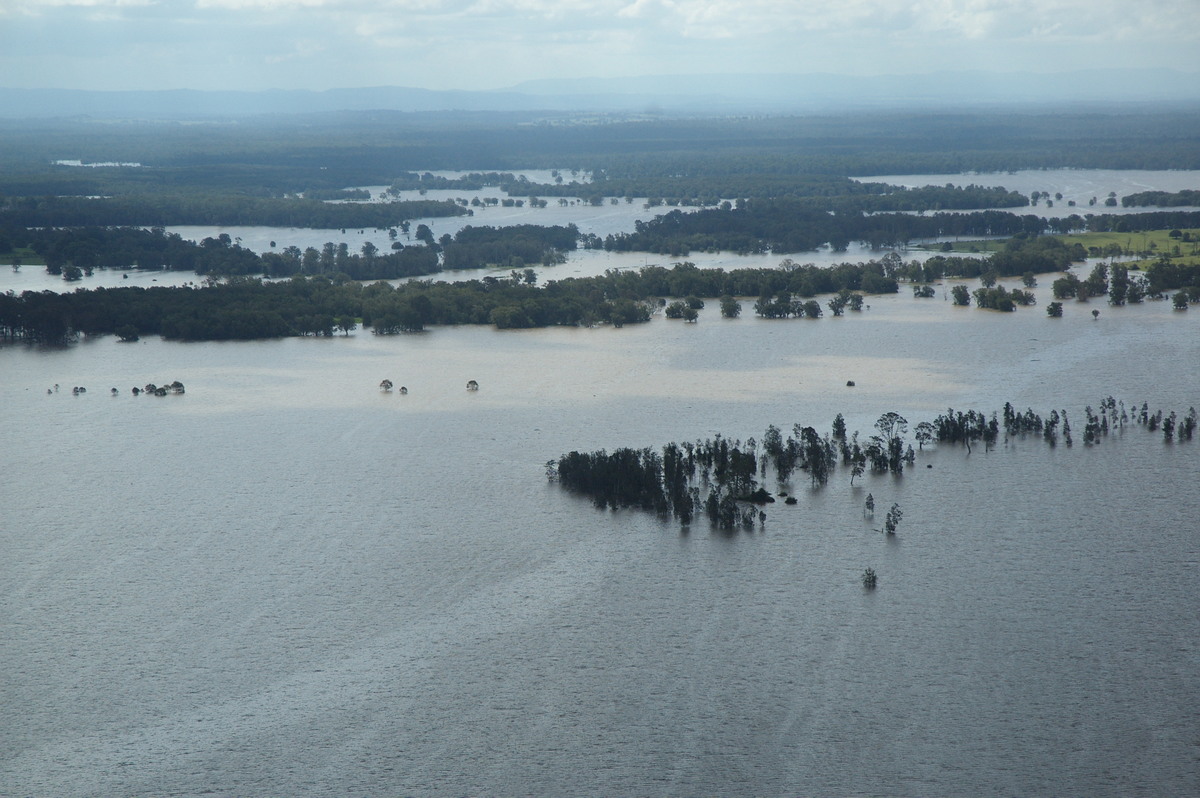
715	478
973	427
1113	280
721	479
997	297
515	246
1161	199
1166	274
150	389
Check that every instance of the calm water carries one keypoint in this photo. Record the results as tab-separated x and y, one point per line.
287	583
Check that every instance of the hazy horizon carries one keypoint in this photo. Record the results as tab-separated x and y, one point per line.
708	95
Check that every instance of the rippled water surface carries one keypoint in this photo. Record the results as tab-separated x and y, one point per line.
285	582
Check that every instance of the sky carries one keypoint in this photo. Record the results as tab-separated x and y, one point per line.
493	44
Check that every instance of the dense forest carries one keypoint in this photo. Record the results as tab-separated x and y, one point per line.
275	156
724	479
788	226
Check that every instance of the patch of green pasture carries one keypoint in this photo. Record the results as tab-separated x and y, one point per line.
952	247
1145	242
23	255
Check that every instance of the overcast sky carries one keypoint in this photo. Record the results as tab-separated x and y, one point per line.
488	44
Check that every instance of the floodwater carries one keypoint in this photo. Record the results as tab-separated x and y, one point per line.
286	582
1080	186
611	217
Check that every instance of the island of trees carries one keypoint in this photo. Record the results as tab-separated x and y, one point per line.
722	479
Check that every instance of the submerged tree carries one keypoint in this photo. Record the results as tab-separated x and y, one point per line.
718	477
887	449
892	520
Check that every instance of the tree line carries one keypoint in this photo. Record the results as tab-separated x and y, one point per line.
217	210
789	226
75	252
232	308
817	192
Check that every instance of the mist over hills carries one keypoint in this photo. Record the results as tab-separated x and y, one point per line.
665	94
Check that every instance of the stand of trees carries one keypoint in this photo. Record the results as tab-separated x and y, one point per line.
720	478
243	308
790	226
1020	256
1162	199
1165	275
73	252
515	246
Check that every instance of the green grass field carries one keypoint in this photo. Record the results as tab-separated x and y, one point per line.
22	255
1148	244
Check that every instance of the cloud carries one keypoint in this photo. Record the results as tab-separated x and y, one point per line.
260	5
33	5
493	43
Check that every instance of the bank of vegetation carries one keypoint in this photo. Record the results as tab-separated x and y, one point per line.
330	299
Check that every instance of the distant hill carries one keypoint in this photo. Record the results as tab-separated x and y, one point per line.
828	91
669	94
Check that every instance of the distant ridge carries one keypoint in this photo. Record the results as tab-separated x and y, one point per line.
690	94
